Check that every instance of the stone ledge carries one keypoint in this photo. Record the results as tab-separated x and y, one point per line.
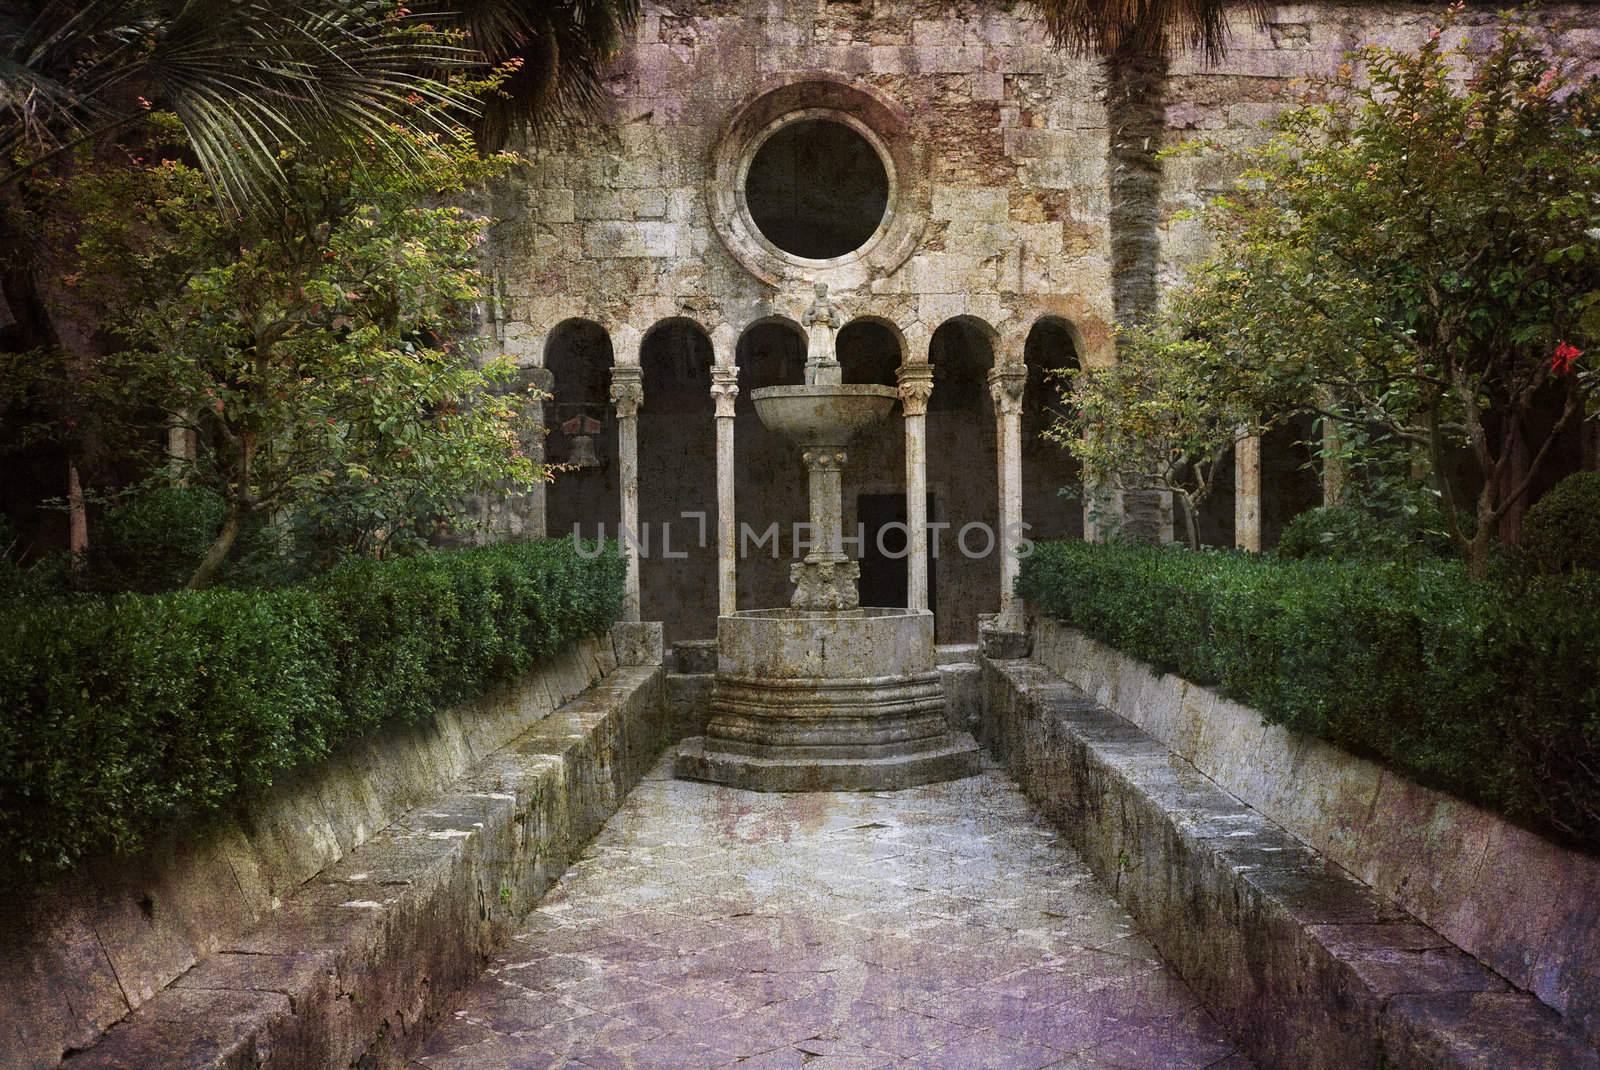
354	967
688	698
93	948
963	695
706	758
1306	966
1527	908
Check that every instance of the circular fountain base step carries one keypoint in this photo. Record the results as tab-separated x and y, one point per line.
827	701
702	758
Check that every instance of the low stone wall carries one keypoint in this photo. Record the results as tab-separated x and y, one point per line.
1527	908
1307	967
332	883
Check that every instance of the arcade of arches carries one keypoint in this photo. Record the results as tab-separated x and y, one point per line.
645	442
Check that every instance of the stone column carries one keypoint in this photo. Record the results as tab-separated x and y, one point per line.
1247	493
916	387
826	578
181	446
524	509
627	393
1007	383
724	391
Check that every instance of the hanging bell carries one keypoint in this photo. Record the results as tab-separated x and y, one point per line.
582	454
582	430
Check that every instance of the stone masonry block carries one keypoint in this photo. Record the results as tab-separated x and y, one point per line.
1306	966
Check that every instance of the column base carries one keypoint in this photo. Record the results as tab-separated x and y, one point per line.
824	585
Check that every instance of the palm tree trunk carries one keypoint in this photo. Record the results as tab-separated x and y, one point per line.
1136	120
1136	83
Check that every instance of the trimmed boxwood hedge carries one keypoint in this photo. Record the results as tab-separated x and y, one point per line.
1490	693
123	714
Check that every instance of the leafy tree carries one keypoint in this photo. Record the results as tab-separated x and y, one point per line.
1414	253
86	85
1162	418
317	354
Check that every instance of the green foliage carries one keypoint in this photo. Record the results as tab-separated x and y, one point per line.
1561	533
1163	417
1347	532
322	358
1446	679
125	714
1413	254
1335	532
245	77
153	540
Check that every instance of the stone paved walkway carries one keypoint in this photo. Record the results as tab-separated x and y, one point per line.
945	926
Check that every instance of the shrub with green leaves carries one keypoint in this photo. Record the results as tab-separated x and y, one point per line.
1561	533
125	714
1348	532
1492	698
152	540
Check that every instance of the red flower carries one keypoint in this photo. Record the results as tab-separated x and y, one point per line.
1562	359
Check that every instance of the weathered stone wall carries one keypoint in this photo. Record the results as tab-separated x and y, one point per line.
116	935
614	222
1526	907
1001	200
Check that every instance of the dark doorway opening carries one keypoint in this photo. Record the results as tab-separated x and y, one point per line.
885	569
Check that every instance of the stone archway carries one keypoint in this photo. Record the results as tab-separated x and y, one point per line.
678	481
582	440
1048	469
962	466
871	351
769	480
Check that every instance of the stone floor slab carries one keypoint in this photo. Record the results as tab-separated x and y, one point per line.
940	926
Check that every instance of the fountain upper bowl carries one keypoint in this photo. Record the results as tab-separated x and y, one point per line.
823	414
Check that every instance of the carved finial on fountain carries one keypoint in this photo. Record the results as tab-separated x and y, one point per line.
821	320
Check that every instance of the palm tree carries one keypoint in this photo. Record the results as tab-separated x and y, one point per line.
248	79
1135	39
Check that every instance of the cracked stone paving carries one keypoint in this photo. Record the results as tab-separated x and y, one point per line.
942	926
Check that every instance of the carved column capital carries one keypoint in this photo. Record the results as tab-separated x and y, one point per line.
916	387
627	390
1006	386
724	390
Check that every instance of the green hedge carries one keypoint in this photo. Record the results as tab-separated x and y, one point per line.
1491	694
129	712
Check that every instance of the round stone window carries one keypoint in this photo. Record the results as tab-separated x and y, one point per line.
815	179
817	189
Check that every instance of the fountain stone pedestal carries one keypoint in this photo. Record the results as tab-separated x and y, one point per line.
826	695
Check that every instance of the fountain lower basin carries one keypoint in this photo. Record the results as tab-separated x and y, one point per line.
845	700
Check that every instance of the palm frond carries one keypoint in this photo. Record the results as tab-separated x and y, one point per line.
560	49
1149	27
246	78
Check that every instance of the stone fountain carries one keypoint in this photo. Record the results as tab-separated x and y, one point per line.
826	695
